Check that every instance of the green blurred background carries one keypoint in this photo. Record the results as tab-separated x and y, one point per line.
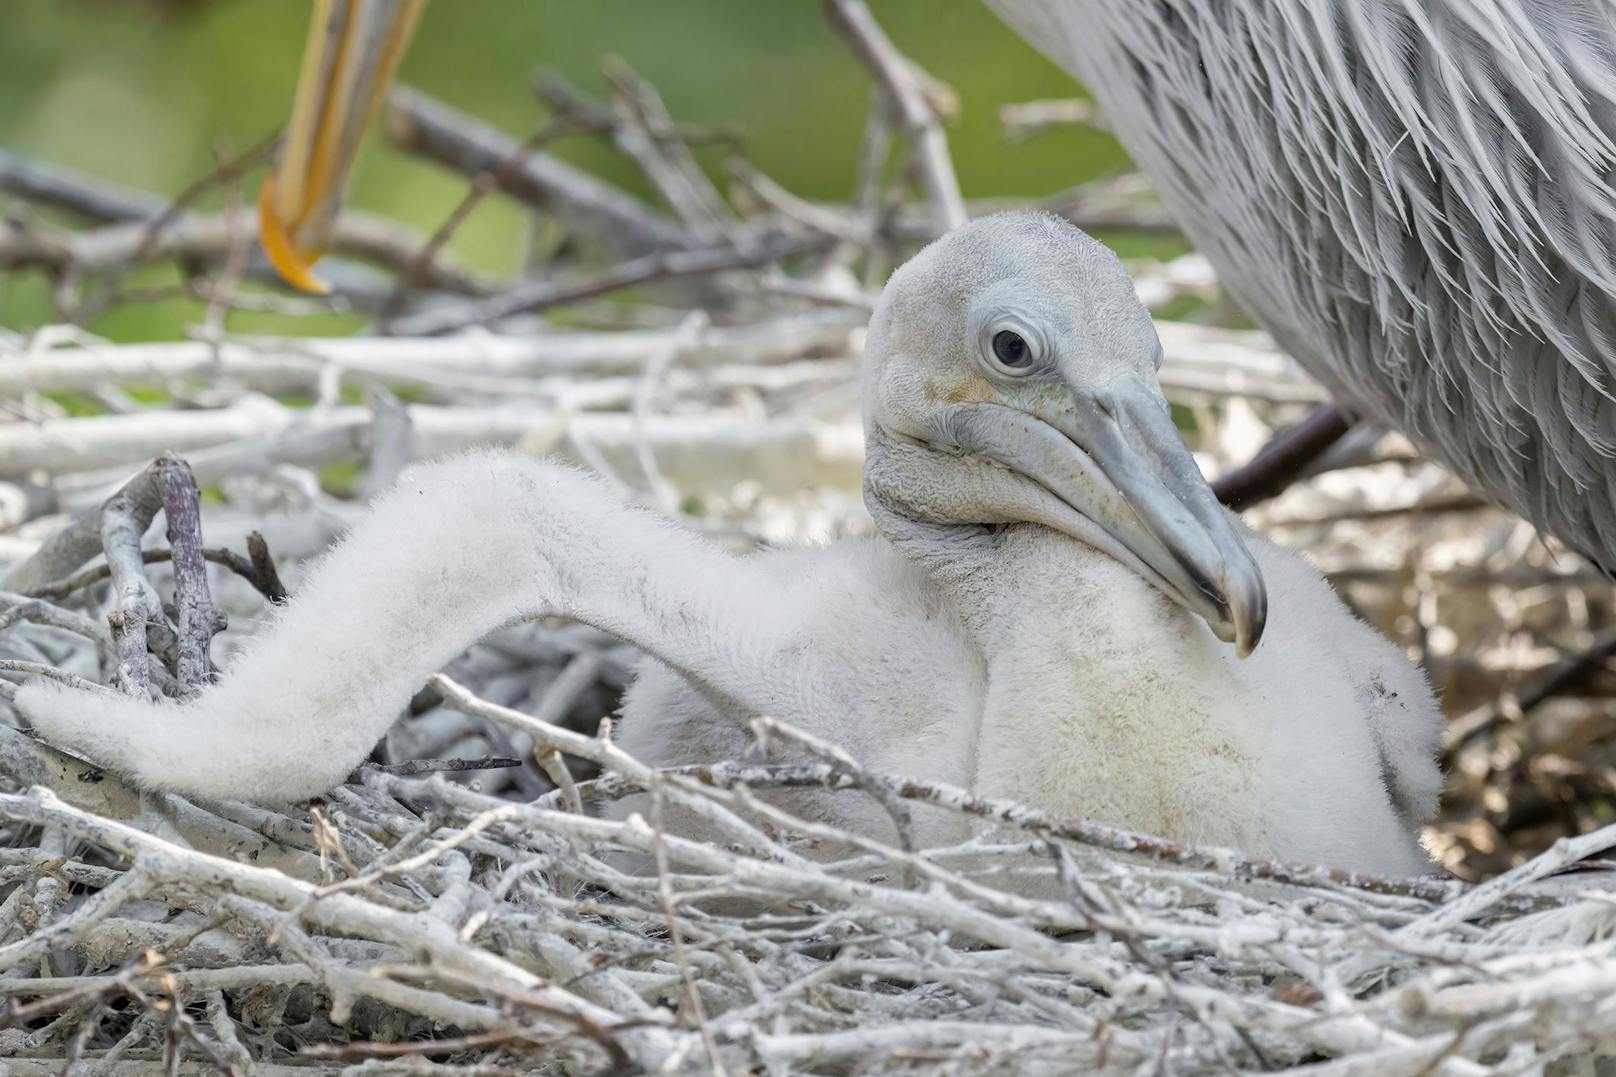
142	92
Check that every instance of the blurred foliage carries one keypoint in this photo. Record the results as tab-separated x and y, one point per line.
143	93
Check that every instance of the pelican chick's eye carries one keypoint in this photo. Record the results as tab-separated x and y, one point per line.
1011	350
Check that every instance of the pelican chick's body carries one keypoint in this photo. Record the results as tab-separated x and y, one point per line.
1055	677
1054	611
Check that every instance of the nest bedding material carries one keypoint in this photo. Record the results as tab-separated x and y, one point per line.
421	924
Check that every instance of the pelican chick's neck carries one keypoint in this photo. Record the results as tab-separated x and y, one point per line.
997	576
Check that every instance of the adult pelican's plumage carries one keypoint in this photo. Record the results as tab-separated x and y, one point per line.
1054	610
1414	197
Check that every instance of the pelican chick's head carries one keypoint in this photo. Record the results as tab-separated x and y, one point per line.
1010	377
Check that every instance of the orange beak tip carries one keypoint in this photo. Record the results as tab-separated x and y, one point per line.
291	260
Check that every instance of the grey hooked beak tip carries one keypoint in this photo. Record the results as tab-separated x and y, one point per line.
1248	605
1242	604
1174	522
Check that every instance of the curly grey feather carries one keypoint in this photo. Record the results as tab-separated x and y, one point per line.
1413	196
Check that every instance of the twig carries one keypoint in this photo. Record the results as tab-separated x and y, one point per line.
1283	459
543	294
1023	120
81	539
454	1045
615	220
258	569
442	766
198	620
212	237
853	20
124	520
67	189
1548	684
271	364
647	133
224	290
36	669
226	172
481	185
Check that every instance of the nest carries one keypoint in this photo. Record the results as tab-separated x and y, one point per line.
421	925
462	905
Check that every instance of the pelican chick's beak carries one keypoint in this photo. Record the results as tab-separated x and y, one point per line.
353	51
1114	456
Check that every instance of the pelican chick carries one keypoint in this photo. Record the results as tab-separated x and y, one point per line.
1055	609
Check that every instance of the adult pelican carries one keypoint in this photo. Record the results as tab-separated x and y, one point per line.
1055	609
1413	196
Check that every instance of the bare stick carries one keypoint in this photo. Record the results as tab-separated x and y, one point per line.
442	766
853	20
1283	459
258	569
544	294
1549	683
81	539
618	221
68	189
124	520
295	364
198	620
1026	119
211	237
481	185
35	669
649	136
228	171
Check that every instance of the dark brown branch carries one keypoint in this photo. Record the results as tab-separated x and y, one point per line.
256	570
260	569
1282	460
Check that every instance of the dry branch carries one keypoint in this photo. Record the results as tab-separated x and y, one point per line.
915	113
1283	460
195	616
297	364
611	218
1028	119
209	237
658	266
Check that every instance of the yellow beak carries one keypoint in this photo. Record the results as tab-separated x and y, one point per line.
353	52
